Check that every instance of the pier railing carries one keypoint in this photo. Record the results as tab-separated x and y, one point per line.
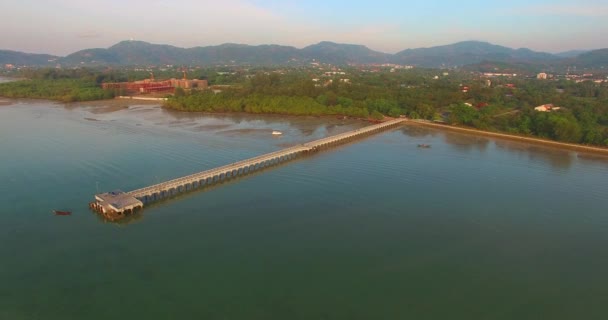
172	187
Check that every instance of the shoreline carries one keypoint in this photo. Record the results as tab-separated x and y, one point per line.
276	115
511	137
530	140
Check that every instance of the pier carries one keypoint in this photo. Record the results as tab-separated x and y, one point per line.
116	204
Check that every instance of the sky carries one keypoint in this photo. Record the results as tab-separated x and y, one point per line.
62	27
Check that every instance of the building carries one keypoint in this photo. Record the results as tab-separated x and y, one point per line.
115	204
150	85
541	76
495	74
145	86
547	108
189	84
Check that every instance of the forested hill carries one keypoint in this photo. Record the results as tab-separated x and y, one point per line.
469	52
143	53
22	58
592	59
454	55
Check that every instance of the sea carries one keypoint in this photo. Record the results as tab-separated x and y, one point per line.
470	228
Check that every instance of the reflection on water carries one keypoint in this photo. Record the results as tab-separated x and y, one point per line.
556	158
467	142
418	131
463	142
593	158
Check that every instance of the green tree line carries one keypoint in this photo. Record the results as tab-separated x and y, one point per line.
504	105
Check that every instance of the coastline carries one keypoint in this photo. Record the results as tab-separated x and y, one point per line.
121	102
530	140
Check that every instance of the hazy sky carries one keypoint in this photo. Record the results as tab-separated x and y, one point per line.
64	26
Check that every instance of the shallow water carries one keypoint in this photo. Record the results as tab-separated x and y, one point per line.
471	228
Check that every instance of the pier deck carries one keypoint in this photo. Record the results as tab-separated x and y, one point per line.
208	177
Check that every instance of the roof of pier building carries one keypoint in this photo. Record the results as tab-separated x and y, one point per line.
118	200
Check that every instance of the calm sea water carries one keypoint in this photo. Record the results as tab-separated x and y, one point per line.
472	228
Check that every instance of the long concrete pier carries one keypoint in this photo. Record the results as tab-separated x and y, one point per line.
117	203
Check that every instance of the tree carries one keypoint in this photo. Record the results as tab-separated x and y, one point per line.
179	92
462	114
376	115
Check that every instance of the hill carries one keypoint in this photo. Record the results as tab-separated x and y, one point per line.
143	53
468	52
459	54
96	56
592	59
30	59
340	54
571	53
231	53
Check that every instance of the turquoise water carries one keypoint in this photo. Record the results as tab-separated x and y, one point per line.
472	228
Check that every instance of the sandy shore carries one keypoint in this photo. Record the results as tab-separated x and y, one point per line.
544	142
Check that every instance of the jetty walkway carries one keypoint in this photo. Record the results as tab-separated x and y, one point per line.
116	204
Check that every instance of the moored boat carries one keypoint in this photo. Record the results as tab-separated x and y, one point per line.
276	133
62	213
423	145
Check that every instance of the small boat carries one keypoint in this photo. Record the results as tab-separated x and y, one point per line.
276	133
62	213
423	145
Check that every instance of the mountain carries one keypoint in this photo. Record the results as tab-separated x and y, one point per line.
91	56
143	53
467	52
592	59
571	53
479	54
335	53
230	53
30	59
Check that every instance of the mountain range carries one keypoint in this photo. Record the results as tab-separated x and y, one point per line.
454	55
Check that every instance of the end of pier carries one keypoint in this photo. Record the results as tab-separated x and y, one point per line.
114	205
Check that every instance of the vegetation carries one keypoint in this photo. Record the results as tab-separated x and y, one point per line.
66	86
582	117
505	105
